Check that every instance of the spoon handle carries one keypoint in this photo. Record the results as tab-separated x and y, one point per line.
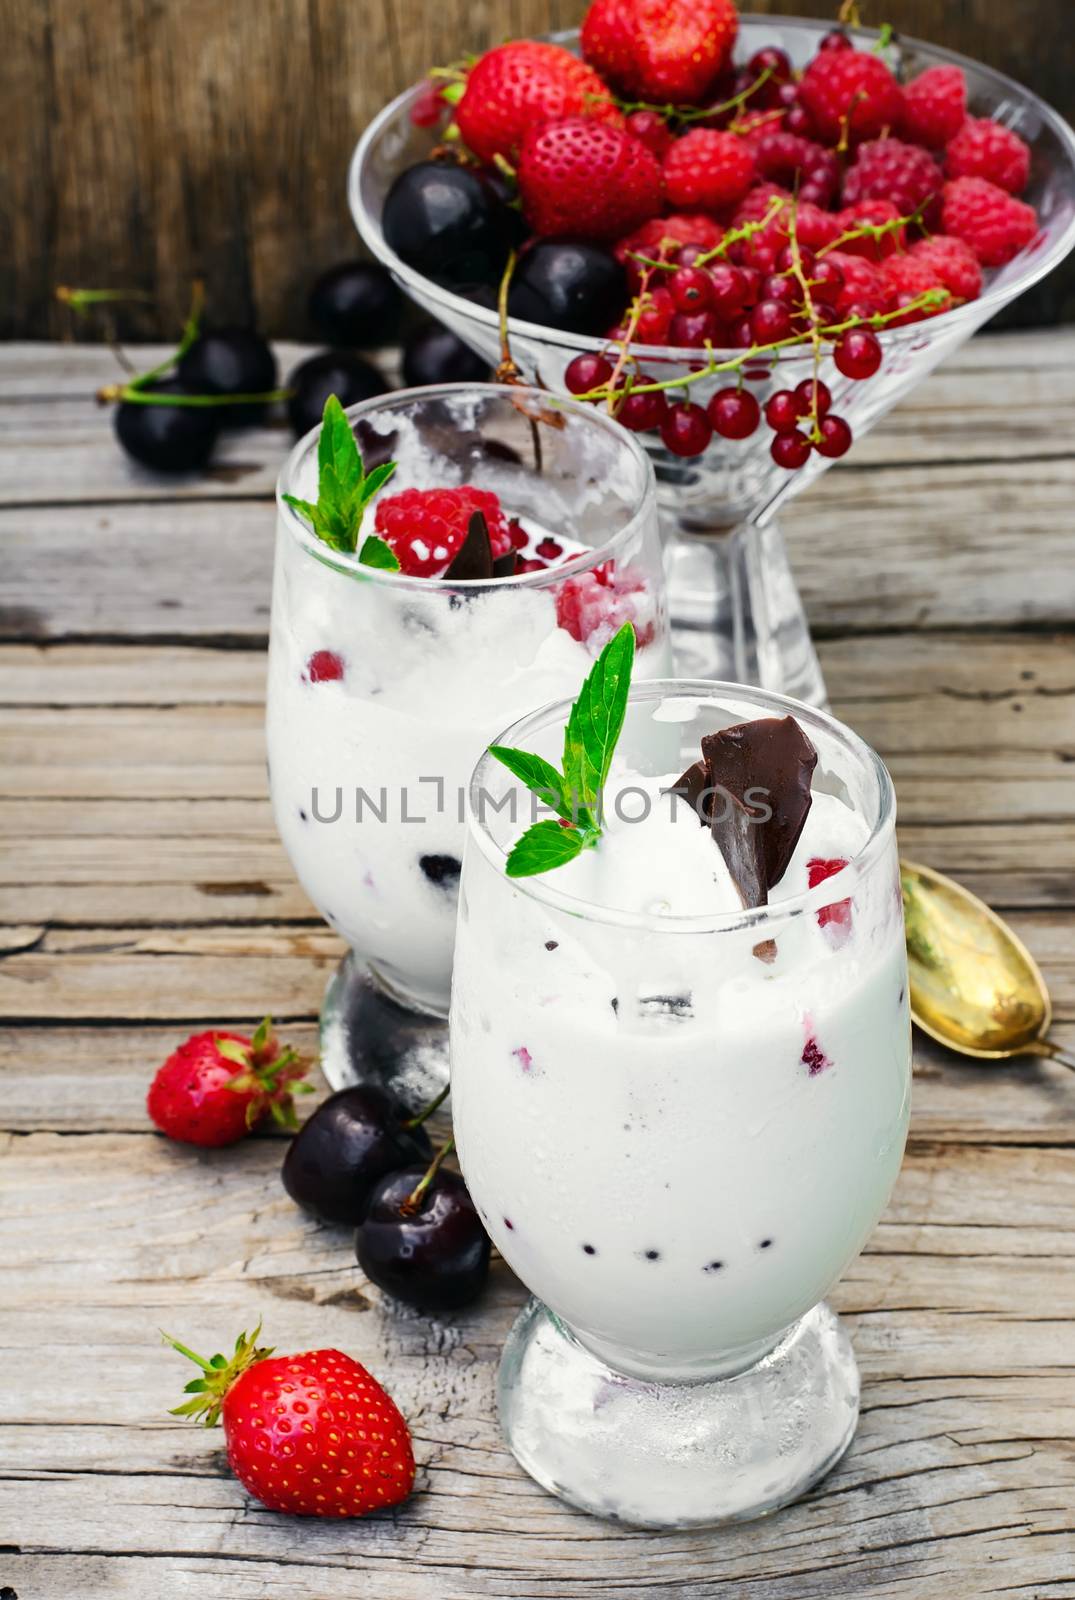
1054	1053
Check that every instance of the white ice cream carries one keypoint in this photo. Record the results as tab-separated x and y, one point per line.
679	1139
428	678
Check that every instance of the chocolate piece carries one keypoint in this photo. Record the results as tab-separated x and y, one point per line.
763	771
691	787
375	448
504	566
474	558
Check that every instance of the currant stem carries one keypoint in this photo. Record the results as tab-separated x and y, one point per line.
418	1193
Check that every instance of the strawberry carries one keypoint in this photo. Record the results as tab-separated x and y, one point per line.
577	176
523	84
670	51
218	1086
312	1434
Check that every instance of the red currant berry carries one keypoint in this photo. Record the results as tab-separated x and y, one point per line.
650	129
587	372
686	430
790	450
779	287
836	40
693	329
858	353
642	412
770	321
691	289
835	437
826	281
655	317
770	59
782	410
785	261
734	413
740	334
752	280
727	288
688	254
797	121
812	398
427	107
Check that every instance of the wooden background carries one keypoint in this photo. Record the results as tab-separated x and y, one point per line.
150	140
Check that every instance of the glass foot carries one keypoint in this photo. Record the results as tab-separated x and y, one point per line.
368	1034
677	1455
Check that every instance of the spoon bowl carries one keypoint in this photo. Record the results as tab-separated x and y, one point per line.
974	985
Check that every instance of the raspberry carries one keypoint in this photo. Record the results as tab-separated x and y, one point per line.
990	221
985	149
650	129
863	285
324	666
906	278
595	605
681	227
953	262
526	82
782	156
708	169
934	106
875	213
888	169
850	89
815	228
427	527
577	176
818	869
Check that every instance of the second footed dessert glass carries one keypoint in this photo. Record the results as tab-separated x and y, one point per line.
680	1127
384	688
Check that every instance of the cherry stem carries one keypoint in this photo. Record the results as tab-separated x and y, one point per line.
418	1193
427	1111
507	371
137	395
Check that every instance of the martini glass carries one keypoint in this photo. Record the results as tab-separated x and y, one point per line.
736	612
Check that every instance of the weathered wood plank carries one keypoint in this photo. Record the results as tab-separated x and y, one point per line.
914	547
965	1441
1001	397
94	1080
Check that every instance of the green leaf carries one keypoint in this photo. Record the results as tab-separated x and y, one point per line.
376	553
544	846
262	1034
343	489
539	775
596	719
232	1050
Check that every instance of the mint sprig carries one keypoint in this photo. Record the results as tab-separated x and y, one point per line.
344	489
590	737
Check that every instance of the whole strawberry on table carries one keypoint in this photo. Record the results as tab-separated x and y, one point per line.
658	193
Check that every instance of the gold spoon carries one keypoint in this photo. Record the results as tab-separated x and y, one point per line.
974	986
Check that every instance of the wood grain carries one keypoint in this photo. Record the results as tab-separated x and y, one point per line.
161	141
142	889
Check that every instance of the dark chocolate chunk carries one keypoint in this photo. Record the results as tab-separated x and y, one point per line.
474	558
692	787
761	771
442	870
374	447
504	566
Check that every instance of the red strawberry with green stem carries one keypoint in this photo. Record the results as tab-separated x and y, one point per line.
515	86
218	1086
669	51
312	1434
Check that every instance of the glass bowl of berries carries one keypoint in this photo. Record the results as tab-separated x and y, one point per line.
748	245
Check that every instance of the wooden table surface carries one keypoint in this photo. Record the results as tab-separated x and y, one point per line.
143	892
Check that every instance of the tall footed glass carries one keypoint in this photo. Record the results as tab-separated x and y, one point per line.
736	611
680	1130
384	689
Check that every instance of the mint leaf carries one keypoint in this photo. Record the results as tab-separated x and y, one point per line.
539	776
544	846
593	727
344	490
596	719
375	553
